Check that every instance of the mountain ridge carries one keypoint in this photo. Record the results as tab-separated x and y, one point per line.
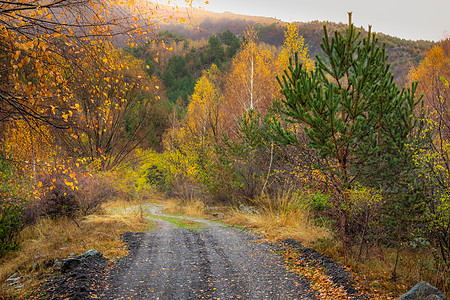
202	24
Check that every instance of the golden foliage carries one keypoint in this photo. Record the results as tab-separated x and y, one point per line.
109	88
294	43
25	143
432	74
204	115
251	83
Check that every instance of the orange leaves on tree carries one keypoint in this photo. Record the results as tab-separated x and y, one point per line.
432	74
27	144
103	97
294	43
251	83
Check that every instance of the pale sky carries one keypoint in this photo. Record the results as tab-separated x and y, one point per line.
408	19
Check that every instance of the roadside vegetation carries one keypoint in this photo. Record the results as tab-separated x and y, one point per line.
329	151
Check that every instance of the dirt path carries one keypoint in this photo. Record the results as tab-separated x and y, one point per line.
215	262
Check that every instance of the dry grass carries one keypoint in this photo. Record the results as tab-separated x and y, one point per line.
374	270
50	239
294	225
281	218
192	208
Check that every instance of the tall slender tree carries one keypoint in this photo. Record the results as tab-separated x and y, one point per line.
251	83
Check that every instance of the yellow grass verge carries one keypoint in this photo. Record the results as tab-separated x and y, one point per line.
42	243
281	217
279	226
192	208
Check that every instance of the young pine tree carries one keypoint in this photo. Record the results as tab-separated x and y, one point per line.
353	113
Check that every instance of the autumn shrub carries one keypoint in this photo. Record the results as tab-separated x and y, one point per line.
438	228
319	202
153	172
185	188
155	176
59	200
92	192
255	162
365	211
180	172
434	166
434	227
55	191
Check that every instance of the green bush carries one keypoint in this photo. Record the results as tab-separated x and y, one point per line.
11	207
320	203
10	225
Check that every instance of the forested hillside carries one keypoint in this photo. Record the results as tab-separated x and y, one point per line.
346	151
402	53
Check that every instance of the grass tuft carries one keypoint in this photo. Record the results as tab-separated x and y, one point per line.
192	208
280	218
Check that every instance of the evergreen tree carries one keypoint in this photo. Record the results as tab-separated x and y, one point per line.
232	41
215	51
353	113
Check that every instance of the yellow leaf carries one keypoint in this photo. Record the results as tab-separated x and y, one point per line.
157	87
17	54
49	16
156	59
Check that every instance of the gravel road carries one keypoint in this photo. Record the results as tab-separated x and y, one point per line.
213	262
216	262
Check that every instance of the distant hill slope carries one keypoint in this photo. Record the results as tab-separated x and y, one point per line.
201	24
